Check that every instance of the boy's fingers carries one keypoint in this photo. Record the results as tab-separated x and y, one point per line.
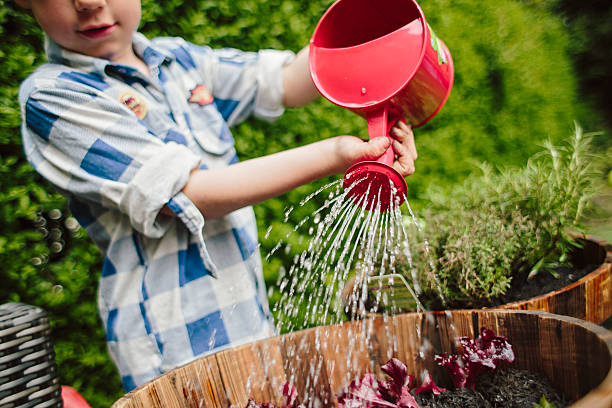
412	148
405	137
374	148
405	161
404	166
404	126
402	130
381	143
404	147
402	133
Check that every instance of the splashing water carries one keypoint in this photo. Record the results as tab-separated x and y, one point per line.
348	268
354	249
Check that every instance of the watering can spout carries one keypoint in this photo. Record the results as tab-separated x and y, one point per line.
376	184
380	121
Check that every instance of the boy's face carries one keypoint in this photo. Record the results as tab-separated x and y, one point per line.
98	28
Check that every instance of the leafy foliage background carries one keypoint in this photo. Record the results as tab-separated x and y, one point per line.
525	70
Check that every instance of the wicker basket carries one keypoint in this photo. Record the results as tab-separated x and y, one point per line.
28	373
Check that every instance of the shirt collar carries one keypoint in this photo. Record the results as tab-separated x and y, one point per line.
152	56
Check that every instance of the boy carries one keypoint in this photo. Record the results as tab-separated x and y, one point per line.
135	133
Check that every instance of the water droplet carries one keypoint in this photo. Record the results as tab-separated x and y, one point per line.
212	340
345	239
287	213
268	232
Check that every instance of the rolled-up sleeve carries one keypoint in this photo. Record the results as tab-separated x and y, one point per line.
97	150
158	180
269	97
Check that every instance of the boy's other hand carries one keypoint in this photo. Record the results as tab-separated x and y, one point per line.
404	147
355	150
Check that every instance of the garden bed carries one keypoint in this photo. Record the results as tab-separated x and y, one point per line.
582	291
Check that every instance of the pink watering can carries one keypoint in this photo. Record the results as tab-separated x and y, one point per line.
380	59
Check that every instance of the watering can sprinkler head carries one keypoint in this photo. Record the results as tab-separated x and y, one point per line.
375	186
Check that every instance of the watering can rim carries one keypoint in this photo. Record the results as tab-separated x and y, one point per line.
363	44
426	37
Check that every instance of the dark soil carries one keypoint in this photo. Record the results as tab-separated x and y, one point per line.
545	282
583	260
507	388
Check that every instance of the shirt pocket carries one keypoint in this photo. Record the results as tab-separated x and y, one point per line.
211	144
211	131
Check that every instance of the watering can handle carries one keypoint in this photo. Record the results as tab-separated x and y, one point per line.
380	121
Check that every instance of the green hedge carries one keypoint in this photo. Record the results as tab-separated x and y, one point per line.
514	87
590	25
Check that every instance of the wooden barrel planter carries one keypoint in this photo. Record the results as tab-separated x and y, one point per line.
589	298
573	354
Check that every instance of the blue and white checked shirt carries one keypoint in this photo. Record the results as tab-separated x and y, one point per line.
121	145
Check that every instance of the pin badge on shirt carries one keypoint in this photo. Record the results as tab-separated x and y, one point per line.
135	103
200	95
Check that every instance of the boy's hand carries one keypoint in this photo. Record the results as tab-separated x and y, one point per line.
356	150
404	147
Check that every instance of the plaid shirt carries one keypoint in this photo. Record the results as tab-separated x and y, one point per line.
121	145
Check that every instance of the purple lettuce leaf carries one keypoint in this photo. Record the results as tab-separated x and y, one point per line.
398	379
455	367
290	393
252	404
363	393
476	357
392	393
429	385
406	400
497	346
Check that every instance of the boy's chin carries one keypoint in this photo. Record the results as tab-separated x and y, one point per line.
108	53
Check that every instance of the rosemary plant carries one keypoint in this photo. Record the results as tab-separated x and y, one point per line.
503	227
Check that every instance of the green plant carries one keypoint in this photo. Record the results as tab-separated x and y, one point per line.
502	228
543	403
